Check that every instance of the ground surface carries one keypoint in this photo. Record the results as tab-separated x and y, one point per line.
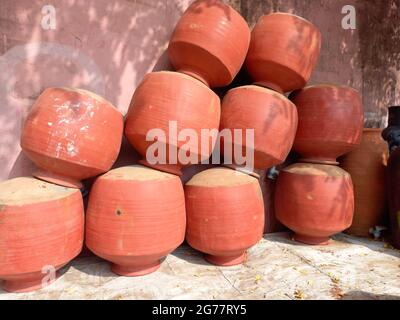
276	268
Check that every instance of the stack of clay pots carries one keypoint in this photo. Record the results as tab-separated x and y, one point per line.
314	197
138	214
70	135
207	48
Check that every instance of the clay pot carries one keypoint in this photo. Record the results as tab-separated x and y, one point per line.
272	117
210	42
315	201
225	214
164	100
283	52
41	230
71	135
392	135
366	165
331	120
136	216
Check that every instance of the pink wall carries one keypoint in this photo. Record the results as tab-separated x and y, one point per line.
104	46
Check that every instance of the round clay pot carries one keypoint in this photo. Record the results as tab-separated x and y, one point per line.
71	135
331	120
366	165
41	230
316	201
165	100
136	216
210	42
225	214
272	117
284	50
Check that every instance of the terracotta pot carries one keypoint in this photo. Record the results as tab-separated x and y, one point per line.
162	100
392	135
210	42
41	230
225	214
283	51
331	120
71	135
315	201
272	117
366	165
136	216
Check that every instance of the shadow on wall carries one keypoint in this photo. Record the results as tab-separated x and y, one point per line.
99	45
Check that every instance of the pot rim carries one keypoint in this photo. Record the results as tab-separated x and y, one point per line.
292	15
328	85
262	89
179	74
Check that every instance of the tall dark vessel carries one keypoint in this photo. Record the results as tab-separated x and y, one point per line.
392	135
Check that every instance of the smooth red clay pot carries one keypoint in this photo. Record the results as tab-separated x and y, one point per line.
366	165
41	227
331	120
210	42
136	216
71	135
316	201
272	117
284	50
225	214
160	99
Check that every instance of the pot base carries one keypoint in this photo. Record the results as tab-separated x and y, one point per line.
57	179
226	261
135	271
20	286
318	241
319	161
170	168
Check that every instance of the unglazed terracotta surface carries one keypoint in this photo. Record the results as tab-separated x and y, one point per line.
210	42
366	165
225	214
315	201
135	217
41	230
272	117
284	50
71	135
166	97
331	120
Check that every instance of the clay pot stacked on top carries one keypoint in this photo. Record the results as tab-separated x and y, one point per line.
165	99
41	230
136	216
225	214
210	42
315	198
71	135
283	51
207	48
366	165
